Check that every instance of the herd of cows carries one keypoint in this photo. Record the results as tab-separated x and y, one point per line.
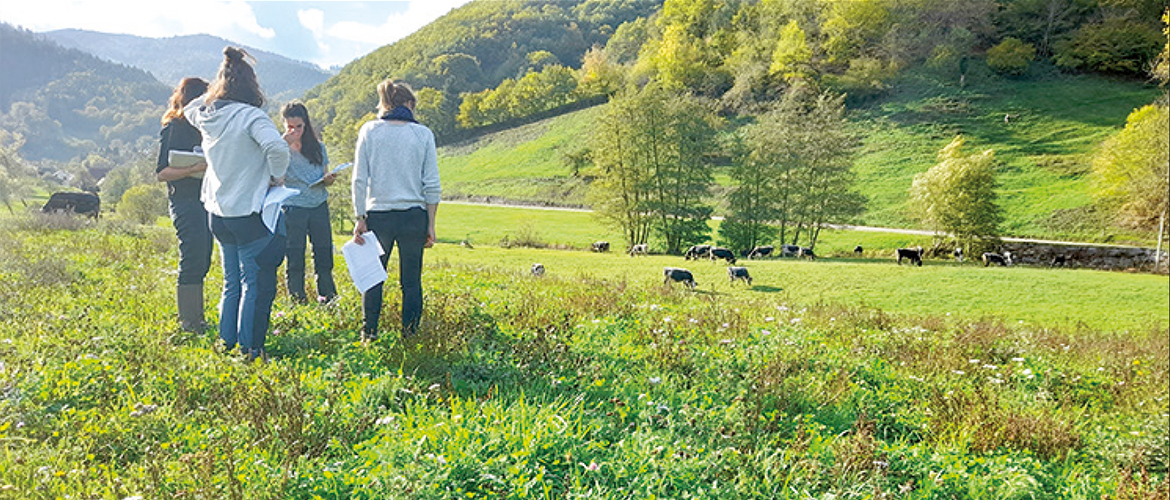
738	273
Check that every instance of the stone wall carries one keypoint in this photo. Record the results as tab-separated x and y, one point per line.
1114	258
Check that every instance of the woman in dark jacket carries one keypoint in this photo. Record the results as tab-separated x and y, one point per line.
187	212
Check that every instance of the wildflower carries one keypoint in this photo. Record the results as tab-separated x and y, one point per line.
995	380
279	314
666	319
693	321
781	308
958	372
769	318
1018	360
654	307
1027	372
655	380
973	361
592	466
765	332
725	341
795	321
433	387
990	367
385	420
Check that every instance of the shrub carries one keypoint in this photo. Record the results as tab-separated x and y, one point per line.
1011	56
143	203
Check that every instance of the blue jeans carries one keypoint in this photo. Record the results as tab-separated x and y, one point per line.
251	255
191	226
314	224
409	229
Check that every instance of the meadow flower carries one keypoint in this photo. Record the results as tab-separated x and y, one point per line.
592	466
795	321
385	420
973	361
958	372
725	341
279	314
666	319
655	380
765	332
769	318
1018	360
995	380
990	367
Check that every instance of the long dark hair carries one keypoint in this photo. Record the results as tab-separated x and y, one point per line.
187	91
310	144
236	80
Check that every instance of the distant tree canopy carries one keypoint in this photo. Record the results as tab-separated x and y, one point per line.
1132	169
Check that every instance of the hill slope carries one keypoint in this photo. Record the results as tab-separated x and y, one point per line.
1044	149
192	55
67	103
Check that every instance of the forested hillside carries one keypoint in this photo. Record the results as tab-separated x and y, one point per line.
174	58
67	104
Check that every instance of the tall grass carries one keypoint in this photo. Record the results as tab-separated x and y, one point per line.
591	381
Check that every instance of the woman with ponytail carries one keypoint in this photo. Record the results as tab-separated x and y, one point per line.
187	213
396	195
307	213
245	156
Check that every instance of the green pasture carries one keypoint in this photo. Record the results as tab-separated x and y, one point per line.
829	379
1044	150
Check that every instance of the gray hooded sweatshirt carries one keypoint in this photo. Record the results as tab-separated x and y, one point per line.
243	149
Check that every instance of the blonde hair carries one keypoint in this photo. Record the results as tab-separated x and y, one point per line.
392	95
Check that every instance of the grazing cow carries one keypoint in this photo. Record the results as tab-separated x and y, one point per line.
789	250
640	248
680	275
73	202
1059	260
806	253
538	269
857	250
994	258
959	254
601	246
696	251
739	273
914	254
722	253
763	251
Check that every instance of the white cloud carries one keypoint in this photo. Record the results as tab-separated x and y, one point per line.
397	25
314	21
153	18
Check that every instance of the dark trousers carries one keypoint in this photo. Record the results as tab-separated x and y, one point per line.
314	224
194	232
251	255
407	228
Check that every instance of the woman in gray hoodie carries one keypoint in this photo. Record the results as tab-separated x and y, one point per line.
245	156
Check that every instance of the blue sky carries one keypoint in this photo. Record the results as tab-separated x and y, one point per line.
327	33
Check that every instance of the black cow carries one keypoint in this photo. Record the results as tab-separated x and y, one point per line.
763	251
1059	260
696	251
994	258
739	273
722	253
806	253
601	246
680	275
74	202
914	254
857	250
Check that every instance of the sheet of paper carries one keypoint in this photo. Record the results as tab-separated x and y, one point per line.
272	201
337	169
363	262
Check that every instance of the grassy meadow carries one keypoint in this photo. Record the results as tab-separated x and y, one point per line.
829	379
1044	151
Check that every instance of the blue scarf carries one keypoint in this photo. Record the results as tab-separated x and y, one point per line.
400	113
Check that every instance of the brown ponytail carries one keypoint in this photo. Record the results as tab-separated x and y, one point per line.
392	95
236	80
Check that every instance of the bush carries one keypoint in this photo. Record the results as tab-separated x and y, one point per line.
1113	46
1011	56
143	203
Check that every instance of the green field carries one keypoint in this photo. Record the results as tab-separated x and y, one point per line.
828	379
1044	152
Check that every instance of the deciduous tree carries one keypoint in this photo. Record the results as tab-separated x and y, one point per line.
957	197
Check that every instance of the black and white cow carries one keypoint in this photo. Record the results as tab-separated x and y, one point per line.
806	253
994	258
697	251
639	249
538	269
857	250
789	250
761	251
680	275
722	253
959	254
739	273
914	254
600	246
